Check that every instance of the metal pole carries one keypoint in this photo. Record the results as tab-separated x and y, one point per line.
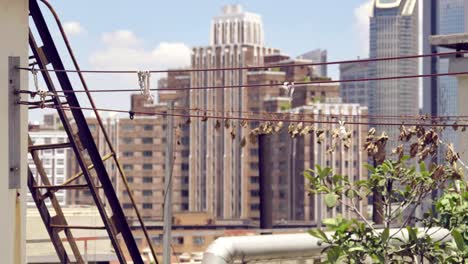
168	188
86	251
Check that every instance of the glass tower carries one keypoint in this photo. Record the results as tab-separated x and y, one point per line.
450	21
393	32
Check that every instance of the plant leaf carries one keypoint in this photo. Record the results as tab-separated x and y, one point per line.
331	199
458	239
385	235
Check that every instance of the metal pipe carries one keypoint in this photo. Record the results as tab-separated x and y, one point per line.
227	250
167	238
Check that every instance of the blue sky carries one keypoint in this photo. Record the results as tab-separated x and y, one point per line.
147	34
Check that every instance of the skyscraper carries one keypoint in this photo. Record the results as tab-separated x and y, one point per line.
218	165
394	32
440	93
317	56
355	92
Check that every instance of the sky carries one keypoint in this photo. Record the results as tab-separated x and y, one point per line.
157	34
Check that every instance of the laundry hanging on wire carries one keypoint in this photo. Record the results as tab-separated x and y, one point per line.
145	85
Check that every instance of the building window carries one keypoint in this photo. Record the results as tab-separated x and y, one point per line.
254	207
127	206
184	193
147	140
128	154
185	141
147	153
185	207
60	162
254	165
147	179
185	153
157	240
184	166
59	151
128	140
185	180
147	206
60	171
254	152
147	193
128	167
147	166
198	240
128	127
255	193
254	179
178	240
129	179
148	127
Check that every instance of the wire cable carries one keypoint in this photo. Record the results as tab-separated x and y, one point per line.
297	84
275	65
337	115
259	119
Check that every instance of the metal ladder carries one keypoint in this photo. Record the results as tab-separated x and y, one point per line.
86	152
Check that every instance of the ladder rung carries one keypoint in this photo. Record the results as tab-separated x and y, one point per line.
70	186
90	167
77	227
50	146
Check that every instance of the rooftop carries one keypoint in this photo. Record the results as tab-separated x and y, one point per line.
452	41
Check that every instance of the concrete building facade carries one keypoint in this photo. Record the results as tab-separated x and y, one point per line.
141	145
287	159
217	162
54	161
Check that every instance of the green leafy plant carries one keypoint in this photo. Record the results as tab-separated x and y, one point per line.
404	183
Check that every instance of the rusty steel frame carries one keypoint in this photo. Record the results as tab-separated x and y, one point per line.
116	224
101	125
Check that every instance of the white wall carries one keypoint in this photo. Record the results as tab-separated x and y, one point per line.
14	42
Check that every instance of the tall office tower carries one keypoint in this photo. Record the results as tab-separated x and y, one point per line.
287	158
441	17
317	56
54	161
218	164
355	92
394	32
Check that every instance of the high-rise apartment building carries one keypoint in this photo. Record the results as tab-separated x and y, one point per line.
287	158
218	164
355	92
54	161
141	148
393	33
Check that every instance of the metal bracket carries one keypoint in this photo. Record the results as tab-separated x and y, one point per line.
14	124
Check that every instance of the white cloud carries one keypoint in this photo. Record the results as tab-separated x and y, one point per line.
121	38
73	28
123	50
361	25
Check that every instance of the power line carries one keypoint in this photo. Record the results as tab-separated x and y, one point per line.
268	84
259	119
276	65
339	115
